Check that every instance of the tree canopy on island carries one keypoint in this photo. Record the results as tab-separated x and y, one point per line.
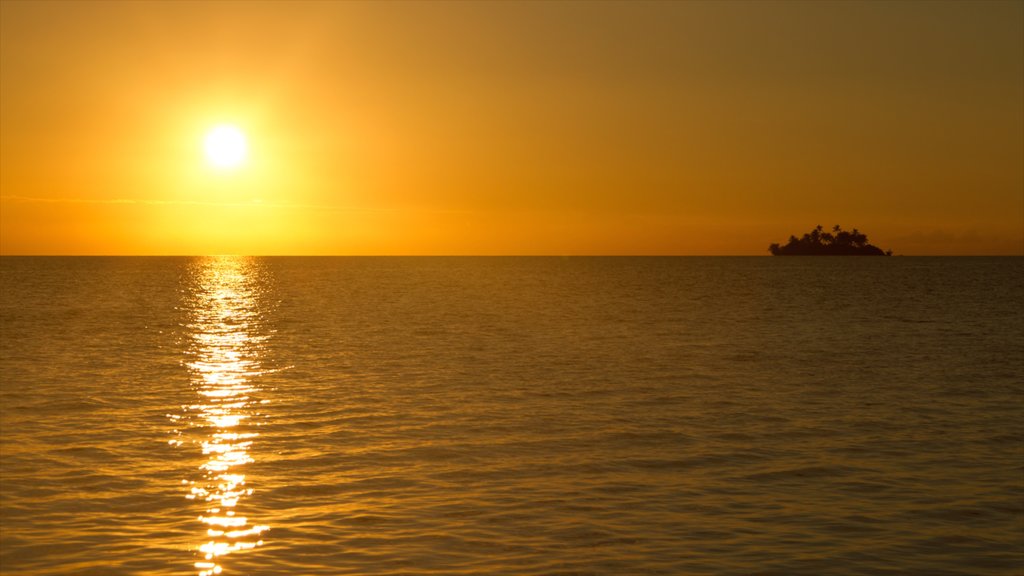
838	242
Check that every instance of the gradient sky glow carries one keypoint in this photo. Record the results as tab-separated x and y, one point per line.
511	128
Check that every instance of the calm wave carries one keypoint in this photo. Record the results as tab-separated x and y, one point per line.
324	416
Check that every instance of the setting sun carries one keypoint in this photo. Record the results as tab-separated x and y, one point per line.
225	146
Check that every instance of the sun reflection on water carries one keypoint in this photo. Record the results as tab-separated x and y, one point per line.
226	341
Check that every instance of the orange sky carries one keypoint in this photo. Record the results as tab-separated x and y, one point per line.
511	128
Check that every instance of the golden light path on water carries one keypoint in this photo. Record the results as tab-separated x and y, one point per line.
225	342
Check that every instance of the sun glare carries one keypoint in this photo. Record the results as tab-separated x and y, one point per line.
225	146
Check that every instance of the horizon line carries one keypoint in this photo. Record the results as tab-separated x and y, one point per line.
211	255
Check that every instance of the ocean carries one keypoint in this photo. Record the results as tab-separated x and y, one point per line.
492	416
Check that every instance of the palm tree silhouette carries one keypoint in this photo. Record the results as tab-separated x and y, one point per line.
838	242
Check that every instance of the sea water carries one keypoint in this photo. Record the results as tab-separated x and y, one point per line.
323	416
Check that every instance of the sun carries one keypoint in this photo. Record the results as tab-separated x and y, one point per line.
225	146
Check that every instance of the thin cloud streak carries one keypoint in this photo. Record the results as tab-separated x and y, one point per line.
158	202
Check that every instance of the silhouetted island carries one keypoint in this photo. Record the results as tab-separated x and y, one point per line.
839	242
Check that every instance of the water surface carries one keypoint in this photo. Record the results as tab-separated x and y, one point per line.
511	416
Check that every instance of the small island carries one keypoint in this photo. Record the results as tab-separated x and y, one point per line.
838	242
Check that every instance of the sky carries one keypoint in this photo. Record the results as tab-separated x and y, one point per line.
549	128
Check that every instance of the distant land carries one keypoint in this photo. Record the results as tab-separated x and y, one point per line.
838	242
